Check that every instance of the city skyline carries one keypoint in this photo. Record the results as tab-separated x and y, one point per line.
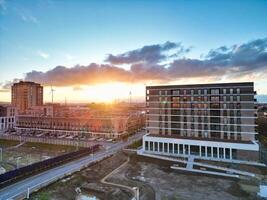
111	49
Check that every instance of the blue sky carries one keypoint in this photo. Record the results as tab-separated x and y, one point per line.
40	35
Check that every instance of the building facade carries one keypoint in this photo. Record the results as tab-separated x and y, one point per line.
114	127
7	117
26	94
209	121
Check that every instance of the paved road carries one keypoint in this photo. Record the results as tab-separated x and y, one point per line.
20	188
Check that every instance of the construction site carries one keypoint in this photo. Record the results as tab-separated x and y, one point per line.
126	175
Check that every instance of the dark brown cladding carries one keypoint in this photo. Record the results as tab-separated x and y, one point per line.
243	84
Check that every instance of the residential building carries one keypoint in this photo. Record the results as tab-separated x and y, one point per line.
115	126
25	94
207	121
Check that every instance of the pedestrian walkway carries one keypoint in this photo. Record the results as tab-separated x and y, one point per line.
201	167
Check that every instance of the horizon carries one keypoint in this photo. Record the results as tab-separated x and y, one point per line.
118	47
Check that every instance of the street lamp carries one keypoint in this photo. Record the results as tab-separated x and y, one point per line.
1	150
17	161
136	193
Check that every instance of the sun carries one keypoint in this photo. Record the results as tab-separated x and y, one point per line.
108	92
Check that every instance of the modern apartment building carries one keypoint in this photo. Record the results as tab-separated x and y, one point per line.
208	121
26	94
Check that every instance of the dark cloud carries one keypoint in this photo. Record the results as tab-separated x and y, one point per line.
146	65
238	60
147	54
91	74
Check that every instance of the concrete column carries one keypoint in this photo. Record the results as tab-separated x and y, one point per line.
153	146
178	148
223	153
230	154
200	150
206	151
188	149
144	147
211	152
183	150
218	152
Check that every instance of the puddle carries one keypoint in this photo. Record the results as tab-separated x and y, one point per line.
263	191
86	197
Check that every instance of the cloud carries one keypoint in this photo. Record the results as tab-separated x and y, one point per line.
147	54
247	61
238	60
6	86
43	54
79	75
29	18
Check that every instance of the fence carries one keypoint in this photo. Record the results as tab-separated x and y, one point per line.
55	141
22	172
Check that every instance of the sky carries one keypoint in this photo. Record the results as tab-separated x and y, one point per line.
101	50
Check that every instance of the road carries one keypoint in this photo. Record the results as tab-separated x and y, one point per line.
19	189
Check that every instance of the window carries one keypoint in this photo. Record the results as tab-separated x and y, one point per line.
209	151
215	152
165	147
176	92
146	145
156	146
181	149
215	91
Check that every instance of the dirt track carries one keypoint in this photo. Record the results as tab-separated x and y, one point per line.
154	178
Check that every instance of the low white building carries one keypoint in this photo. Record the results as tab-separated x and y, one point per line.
7	123
7	117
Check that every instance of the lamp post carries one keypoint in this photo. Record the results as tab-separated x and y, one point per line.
136	192
17	161
1	154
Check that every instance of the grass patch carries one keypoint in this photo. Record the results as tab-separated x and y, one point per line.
50	147
136	144
8	143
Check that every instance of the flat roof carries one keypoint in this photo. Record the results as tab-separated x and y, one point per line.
235	84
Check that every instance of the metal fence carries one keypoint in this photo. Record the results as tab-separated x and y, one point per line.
55	141
34	168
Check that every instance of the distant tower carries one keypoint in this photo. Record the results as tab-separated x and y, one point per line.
130	97
26	94
52	93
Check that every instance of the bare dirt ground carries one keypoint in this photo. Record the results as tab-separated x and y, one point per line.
88	181
155	180
171	184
